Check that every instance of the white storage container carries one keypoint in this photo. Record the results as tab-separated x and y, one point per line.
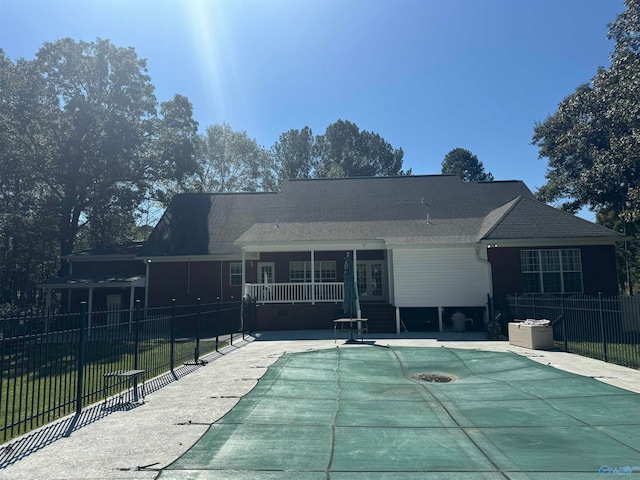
538	337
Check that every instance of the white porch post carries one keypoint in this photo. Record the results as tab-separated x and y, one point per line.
440	315
47	293
244	279
313	277
131	297
147	265
90	310
398	320
355	281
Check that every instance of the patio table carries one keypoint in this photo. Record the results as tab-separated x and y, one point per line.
350	321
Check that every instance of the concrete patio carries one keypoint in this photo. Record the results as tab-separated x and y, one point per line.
139	442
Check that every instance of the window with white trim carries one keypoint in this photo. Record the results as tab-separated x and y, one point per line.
235	274
300	272
551	271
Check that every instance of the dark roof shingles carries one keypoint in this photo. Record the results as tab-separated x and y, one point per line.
427	209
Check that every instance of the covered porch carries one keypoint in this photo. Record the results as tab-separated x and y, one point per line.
115	294
305	282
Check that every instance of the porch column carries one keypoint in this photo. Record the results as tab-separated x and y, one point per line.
90	310
313	277
244	281
131	297
355	281
47	294
147	265
440	315
398	320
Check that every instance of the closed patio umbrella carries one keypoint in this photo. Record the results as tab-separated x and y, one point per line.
350	291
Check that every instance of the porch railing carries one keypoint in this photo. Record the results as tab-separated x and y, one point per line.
325	292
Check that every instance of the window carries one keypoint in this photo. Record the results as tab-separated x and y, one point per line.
551	271
235	274
300	272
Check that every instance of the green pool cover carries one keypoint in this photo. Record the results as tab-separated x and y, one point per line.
370	412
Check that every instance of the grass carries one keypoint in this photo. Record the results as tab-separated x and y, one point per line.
624	354
39	382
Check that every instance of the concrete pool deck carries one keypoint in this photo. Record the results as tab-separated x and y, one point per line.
141	442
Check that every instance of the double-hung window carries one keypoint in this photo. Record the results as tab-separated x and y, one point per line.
235	274
551	270
300	272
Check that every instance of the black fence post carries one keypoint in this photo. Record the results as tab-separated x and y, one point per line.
196	352
172	334
490	310
136	337
217	319
564	324
136	351
80	354
602	330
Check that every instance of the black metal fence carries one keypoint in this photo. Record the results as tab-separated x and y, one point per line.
53	365
606	328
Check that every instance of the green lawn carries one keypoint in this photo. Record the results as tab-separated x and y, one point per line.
39	382
625	354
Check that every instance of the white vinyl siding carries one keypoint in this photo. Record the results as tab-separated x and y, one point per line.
439	276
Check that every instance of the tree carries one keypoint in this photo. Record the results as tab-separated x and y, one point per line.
230	161
81	145
108	144
295	154
627	252
466	165
592	141
345	151
28	253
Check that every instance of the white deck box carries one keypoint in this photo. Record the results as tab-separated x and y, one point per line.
538	337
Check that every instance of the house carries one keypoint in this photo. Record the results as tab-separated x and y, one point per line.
425	247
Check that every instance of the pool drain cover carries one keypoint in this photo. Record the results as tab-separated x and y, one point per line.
435	377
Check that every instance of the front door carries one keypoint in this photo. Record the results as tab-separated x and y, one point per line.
266	272
370	275
266	276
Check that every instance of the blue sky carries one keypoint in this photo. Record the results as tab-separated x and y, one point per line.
427	75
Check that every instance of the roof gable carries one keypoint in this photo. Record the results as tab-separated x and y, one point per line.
529	218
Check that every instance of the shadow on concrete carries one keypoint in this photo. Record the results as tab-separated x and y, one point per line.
16	450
